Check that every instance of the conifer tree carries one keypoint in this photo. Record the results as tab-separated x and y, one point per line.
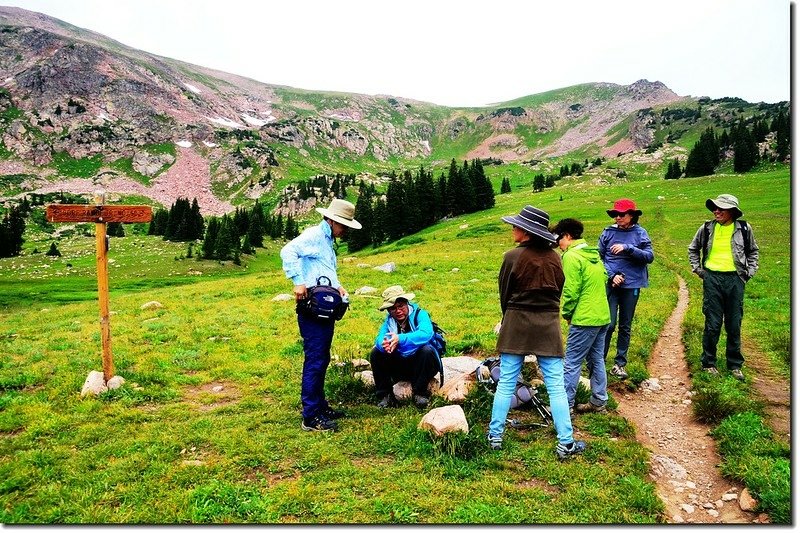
538	183
426	198
115	229
226	241
53	251
357	240
379	216
505	186
395	209
211	238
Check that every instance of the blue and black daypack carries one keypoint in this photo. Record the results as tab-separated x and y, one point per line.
439	343
324	301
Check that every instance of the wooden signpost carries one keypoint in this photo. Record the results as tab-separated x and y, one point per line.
101	214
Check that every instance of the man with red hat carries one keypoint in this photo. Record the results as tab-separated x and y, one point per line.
729	259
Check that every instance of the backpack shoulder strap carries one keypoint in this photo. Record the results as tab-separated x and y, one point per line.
745	228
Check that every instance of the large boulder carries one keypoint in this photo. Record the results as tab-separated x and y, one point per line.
447	419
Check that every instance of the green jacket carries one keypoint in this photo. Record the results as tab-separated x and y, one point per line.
584	301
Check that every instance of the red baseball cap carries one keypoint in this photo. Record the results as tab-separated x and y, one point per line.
624	205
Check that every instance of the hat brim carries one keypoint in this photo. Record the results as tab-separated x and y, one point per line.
355	224
711	205
408	296
524	225
634	212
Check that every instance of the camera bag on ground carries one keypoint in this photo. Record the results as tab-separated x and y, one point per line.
325	302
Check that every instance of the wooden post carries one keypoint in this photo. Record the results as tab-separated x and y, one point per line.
102	294
100	215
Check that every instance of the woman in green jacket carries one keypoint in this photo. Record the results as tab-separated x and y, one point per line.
585	308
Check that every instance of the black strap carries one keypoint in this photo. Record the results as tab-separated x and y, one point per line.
438	356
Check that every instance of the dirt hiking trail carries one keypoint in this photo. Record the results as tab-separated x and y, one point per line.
684	459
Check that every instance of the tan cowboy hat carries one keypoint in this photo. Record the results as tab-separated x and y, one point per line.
725	201
392	294
342	212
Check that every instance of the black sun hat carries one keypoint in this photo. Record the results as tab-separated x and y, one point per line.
534	221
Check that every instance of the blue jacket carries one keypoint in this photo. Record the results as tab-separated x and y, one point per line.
310	255
421	331
632	262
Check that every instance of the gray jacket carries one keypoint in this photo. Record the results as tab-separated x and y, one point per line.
743	244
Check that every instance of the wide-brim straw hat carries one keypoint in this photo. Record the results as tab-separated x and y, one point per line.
342	212
725	201
392	294
534	221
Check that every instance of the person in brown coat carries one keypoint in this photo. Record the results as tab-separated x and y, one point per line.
530	281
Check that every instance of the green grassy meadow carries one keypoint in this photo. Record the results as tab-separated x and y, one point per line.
170	446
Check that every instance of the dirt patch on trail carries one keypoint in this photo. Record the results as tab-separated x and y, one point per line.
684	459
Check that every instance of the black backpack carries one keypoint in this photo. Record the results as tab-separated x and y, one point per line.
439	343
325	302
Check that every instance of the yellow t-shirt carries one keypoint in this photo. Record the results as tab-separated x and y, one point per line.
720	257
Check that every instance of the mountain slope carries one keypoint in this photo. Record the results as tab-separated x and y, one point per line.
75	104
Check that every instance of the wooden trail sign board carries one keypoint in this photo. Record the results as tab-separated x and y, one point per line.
100	215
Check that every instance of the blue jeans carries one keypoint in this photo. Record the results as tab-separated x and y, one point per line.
622	301
586	342
552	369
317	338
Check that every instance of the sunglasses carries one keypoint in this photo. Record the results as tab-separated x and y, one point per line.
617	214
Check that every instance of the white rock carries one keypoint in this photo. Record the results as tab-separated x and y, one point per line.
662	466
728	497
151	305
283	298
456	269
366	377
456	389
366	289
746	501
651	384
677	519
386	267
360	363
463	226
719	504
218	388
94	384
447	419
455	366
690	485
713	512
402	390
687	508
115	382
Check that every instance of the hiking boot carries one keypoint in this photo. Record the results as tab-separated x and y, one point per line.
333	414
711	370
319	423
737	373
589	407
421	401
619	371
387	401
495	443
565	451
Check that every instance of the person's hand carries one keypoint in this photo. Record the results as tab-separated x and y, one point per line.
390	342
617	280
300	292
617	249
343	293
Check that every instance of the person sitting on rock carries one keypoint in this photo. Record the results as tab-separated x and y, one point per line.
403	349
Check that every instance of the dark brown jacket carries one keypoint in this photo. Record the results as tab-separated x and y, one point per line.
530	283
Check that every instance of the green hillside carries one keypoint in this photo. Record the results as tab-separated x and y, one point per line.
169	448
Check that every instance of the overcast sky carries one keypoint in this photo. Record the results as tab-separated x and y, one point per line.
460	53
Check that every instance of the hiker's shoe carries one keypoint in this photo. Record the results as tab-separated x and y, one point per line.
387	401
565	451
619	371
737	373
495	443
571	412
589	407
421	401
333	414
319	423
711	370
